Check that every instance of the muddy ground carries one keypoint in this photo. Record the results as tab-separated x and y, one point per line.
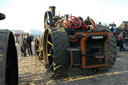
31	72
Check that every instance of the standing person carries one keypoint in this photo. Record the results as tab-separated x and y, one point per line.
25	44
21	43
29	46
87	21
126	39
121	40
115	28
90	24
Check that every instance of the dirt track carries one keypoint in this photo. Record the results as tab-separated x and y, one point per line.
31	72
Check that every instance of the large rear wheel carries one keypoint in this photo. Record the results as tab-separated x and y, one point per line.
111	49
11	75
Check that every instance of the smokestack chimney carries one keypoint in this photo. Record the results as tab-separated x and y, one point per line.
52	9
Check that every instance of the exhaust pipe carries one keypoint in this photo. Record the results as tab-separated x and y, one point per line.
52	9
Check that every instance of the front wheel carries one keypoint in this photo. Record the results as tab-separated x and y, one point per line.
55	44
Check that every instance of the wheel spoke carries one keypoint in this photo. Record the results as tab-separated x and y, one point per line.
49	54
77	22
39	54
37	50
75	25
37	44
50	43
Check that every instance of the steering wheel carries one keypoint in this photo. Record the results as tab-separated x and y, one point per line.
73	22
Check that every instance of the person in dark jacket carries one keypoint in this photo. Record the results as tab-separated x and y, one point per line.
121	40
21	42
126	40
25	44
29	46
90	24
87	21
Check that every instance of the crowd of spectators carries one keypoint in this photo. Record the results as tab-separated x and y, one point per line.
24	42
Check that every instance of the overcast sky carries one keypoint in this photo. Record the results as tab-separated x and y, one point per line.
29	14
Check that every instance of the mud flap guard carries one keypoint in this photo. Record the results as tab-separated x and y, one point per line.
74	57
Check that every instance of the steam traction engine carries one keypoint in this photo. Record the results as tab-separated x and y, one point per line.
8	57
70	41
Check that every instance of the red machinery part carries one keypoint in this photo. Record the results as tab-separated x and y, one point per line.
72	20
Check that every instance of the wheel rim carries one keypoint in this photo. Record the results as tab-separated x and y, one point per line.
38	50
48	51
